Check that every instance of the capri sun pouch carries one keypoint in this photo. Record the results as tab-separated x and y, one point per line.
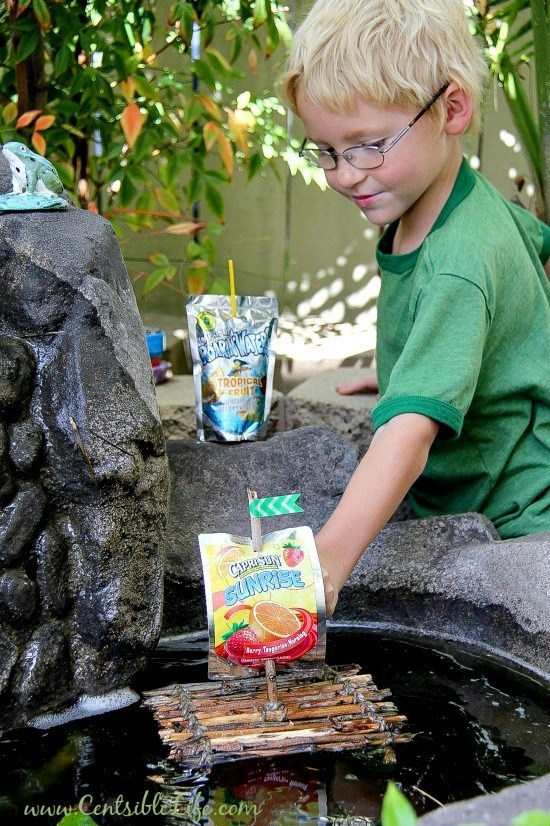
267	605
233	364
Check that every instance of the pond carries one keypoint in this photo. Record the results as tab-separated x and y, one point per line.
478	724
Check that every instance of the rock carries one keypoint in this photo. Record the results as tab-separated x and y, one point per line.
43	664
316	401
86	450
496	809
452	577
6	481
5	176
26	439
115	620
16	376
8	658
17	596
208	495
51	572
18	523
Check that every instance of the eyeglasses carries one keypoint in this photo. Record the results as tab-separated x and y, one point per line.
361	157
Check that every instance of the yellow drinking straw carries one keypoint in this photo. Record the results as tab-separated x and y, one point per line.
232	288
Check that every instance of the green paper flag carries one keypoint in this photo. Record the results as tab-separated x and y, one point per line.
275	505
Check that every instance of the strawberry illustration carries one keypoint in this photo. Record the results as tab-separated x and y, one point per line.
235	644
292	555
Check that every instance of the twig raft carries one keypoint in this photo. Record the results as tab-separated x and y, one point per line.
208	723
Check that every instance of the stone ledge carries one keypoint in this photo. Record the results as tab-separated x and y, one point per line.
176	401
452	577
208	495
496	809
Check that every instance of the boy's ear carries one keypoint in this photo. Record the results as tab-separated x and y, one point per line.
458	109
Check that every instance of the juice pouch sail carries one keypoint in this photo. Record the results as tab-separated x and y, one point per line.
233	364
267	605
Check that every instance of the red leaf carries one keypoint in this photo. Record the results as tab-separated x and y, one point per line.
39	143
26	118
44	122
128	87
132	122
195	281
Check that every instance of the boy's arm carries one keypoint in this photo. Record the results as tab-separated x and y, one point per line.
395	459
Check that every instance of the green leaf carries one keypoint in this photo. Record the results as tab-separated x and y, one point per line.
236	48
42	14
193	111
159	258
145	87
63	60
235	626
254	165
27	45
193	250
66	174
157	277
396	809
194	189
127	191
285	32
168	200
260	13
77	819
204	73
522	113
216	176
214	201
218	62
532	818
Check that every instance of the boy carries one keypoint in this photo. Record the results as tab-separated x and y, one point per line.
463	352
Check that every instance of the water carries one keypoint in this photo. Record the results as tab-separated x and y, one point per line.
479	726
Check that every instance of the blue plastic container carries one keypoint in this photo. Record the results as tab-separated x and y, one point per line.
156	342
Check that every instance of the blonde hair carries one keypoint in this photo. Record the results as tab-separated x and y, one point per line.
386	52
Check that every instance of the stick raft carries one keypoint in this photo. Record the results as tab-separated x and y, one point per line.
204	724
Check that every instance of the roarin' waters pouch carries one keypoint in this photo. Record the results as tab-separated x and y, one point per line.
233	364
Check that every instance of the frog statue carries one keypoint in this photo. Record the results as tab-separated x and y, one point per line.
35	181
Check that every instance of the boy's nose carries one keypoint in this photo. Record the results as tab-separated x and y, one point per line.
347	175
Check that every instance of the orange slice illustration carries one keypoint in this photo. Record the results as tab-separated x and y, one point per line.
271	621
232	553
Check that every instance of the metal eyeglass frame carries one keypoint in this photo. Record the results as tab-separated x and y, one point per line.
328	153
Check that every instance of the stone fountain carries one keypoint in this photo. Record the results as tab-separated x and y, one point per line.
443	578
83	470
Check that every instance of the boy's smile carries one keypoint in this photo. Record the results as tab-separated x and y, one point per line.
414	180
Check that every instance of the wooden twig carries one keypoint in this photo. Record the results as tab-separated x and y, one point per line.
344	710
112	444
79	445
270	668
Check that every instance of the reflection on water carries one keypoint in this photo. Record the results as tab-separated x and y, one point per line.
477	728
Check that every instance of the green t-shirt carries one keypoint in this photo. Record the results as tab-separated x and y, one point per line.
464	338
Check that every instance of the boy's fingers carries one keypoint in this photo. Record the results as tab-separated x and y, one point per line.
331	597
366	384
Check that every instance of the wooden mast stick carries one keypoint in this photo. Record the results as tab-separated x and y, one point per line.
270	670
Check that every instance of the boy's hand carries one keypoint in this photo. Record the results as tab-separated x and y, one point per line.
366	384
331	595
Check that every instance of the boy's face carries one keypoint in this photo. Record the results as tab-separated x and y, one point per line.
411	173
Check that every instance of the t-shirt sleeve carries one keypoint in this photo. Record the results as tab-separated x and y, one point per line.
538	231
437	371
545	253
